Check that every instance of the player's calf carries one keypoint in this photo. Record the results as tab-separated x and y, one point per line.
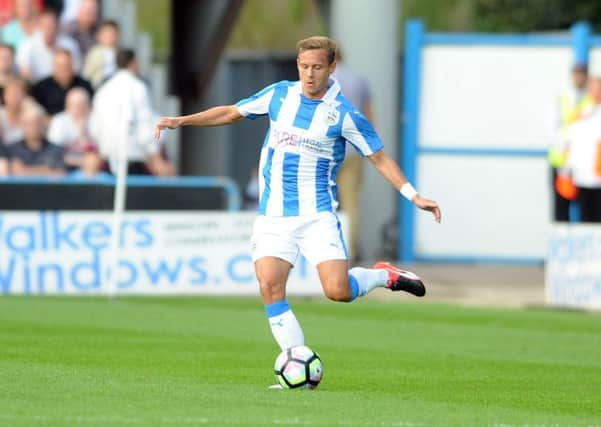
337	290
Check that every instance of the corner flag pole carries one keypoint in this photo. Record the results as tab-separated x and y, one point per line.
119	205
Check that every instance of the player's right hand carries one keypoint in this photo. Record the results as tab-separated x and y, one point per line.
165	123
428	205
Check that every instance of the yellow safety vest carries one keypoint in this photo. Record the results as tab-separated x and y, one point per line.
570	112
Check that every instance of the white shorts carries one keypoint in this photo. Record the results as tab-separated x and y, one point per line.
318	237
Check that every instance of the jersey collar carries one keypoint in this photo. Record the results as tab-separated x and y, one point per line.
330	95
332	92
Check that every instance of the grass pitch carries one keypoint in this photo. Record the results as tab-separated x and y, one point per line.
208	362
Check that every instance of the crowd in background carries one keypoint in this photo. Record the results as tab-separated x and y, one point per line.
56	60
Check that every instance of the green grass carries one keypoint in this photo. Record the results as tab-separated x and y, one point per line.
208	361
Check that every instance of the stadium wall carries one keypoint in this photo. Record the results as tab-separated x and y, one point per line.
475	135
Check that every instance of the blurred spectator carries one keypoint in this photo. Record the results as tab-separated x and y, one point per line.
23	25
7	66
51	91
572	103
584	157
83	29
350	177
15	102
70	129
34	155
3	161
35	56
101	61
122	112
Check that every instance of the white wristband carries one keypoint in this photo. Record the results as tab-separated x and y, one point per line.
408	191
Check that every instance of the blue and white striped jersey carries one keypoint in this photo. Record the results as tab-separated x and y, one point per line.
304	146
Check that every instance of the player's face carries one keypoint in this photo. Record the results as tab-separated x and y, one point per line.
314	72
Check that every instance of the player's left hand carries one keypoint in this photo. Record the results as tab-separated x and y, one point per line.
427	205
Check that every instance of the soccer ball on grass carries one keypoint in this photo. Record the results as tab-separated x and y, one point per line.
298	367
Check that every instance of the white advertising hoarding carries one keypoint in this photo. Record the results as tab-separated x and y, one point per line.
491	96
484	126
161	253
573	269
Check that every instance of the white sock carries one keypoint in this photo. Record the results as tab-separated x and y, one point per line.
365	280
285	328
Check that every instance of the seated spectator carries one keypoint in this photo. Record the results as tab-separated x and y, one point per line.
15	102
34	155
23	25
3	161
71	128
35	56
51	91
7	66
83	29
101	60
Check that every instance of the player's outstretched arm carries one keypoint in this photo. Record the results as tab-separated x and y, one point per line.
216	116
390	170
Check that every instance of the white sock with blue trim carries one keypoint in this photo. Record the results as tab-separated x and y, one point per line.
365	280
285	328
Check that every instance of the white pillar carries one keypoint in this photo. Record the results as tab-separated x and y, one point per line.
368	33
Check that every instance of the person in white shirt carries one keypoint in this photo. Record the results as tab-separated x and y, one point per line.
121	111
584	156
311	122
35	55
71	128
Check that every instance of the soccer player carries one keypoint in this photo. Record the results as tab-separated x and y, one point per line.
310	123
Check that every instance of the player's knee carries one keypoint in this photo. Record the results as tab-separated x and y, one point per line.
338	291
271	287
269	284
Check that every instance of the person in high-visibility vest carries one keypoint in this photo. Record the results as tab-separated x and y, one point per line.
584	156
572	104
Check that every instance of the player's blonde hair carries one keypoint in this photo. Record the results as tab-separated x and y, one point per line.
318	42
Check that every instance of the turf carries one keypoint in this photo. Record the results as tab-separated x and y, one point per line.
208	361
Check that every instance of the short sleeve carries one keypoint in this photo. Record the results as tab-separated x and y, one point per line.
357	130
257	104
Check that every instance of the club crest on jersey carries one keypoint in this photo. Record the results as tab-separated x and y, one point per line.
333	117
